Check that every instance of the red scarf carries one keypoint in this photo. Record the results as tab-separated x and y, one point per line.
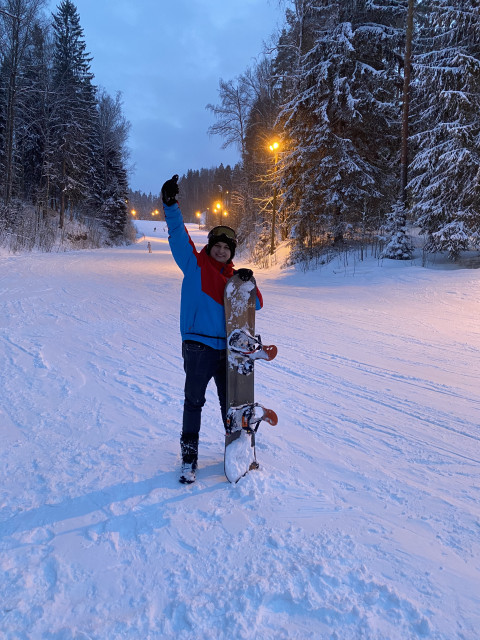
214	275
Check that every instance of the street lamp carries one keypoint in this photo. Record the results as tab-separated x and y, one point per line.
217	208
274	149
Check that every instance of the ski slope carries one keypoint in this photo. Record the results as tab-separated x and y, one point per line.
363	521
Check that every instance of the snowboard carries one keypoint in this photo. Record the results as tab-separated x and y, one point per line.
243	413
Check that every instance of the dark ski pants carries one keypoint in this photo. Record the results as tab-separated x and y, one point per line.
201	363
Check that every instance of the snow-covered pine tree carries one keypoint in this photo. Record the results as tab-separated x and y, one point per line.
445	182
74	110
109	184
398	244
343	122
17	18
33	115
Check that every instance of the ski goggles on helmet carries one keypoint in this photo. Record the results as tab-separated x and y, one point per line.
221	230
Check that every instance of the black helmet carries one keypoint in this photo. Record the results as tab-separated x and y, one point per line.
225	234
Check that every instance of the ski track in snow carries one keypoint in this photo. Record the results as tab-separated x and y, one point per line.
363	521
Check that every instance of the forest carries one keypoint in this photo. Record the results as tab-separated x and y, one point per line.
63	140
359	122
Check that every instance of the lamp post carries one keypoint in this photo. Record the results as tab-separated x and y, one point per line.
274	149
218	211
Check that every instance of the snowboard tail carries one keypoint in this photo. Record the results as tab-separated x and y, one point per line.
240	455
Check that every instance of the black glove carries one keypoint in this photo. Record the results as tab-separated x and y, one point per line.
244	274
169	191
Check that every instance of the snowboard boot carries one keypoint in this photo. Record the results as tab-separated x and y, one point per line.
188	473
189	449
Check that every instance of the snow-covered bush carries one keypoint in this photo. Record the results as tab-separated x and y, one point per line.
398	244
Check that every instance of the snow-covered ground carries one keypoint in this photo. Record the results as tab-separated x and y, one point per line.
363	521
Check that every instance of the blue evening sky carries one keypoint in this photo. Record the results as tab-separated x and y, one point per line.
166	57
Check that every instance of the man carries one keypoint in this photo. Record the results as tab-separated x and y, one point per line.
202	318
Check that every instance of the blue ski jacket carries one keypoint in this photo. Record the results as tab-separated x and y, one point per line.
202	314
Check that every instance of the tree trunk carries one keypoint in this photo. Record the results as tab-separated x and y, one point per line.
406	102
62	198
11	95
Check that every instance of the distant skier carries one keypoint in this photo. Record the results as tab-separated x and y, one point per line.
149	247
202	318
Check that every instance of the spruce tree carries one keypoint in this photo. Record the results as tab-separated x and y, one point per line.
398	245
109	184
17	18
445	185
343	120
74	111
32	117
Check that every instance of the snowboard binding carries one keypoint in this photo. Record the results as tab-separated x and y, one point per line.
248	417
244	349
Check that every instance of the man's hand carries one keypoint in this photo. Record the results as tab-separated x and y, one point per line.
169	191
244	274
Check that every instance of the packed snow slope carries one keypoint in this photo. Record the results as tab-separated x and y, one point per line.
363	521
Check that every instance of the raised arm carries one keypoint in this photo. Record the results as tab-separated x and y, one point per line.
181	245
